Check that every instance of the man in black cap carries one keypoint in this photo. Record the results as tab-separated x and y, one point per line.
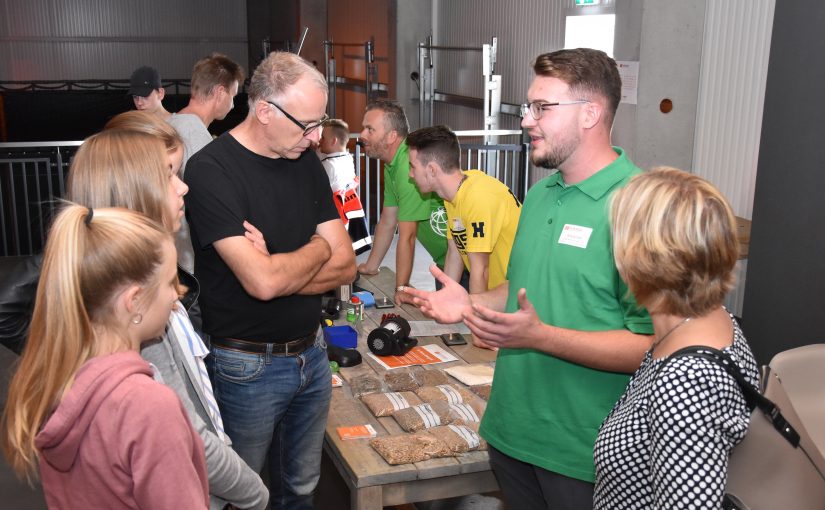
147	92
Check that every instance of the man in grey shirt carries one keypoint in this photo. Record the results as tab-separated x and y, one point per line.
214	85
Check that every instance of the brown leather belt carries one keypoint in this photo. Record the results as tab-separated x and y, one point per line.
292	347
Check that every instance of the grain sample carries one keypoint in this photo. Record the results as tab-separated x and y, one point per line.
432	377
408	448
482	390
364	384
424	416
384	404
459	438
445	393
400	380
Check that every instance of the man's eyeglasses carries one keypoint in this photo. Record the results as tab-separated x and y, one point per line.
308	128
536	108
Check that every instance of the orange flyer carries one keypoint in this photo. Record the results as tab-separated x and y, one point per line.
419	355
357	432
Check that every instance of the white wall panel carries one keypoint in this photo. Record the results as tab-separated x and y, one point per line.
108	39
731	97
734	69
524	29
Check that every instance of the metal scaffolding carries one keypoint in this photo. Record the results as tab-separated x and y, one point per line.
369	85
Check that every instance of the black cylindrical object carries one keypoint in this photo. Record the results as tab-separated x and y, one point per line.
392	338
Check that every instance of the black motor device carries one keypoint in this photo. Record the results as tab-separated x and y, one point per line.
392	338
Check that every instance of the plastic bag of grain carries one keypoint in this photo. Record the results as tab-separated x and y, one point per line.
465	412
364	384
445	393
400	380
482	390
459	438
424	416
432	377
408	448
384	404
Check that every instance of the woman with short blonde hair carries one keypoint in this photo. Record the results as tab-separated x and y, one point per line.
83	406
666	442
675	242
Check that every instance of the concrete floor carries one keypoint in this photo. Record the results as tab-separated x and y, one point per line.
332	491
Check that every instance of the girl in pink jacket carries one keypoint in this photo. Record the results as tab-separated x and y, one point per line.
82	406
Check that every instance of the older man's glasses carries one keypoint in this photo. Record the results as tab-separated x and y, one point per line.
536	108
308	128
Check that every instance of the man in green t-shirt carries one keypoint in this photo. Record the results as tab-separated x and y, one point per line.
564	353
416	215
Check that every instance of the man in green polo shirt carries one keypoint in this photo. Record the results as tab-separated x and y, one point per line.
566	352
416	215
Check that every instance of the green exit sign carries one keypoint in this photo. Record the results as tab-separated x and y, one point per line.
588	2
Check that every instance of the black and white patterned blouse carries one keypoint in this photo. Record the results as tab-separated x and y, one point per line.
667	440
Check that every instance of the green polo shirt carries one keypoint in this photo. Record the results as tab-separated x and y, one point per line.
543	410
428	209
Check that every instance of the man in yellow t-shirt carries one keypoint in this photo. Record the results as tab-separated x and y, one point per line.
482	212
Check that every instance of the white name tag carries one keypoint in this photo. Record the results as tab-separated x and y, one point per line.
574	235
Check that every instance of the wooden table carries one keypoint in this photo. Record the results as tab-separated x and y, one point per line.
372	482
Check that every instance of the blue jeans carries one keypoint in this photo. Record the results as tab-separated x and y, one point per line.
277	405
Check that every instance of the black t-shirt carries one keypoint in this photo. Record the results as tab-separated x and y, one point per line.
286	200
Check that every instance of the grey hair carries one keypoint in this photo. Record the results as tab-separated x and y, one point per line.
277	73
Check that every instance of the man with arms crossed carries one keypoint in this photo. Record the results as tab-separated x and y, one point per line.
272	378
565	352
415	214
214	85
482	213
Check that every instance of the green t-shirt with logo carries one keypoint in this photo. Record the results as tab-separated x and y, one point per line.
427	209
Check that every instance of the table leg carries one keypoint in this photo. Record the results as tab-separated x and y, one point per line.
366	498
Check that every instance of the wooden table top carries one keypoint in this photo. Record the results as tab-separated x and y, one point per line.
355	458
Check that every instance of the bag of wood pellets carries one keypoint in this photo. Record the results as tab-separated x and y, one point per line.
424	416
400	380
445	393
408	448
459	438
384	404
432	377
465	412
364	384
482	390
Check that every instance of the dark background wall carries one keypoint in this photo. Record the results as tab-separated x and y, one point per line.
30	116
785	293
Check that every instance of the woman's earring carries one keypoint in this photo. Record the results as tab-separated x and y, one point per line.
137	319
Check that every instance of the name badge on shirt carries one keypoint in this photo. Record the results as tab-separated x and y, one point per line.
575	235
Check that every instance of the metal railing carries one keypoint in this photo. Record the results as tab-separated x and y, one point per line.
172	85
33	177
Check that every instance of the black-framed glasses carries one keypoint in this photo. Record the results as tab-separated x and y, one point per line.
308	128
536	108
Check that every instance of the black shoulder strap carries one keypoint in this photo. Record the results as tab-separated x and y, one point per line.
752	396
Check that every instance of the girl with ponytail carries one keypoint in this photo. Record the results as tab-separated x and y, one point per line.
83	408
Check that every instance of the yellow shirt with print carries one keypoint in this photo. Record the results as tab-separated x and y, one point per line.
483	217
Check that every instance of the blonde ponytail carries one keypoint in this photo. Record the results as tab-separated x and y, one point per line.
88	257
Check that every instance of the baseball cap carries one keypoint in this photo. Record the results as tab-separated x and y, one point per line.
144	80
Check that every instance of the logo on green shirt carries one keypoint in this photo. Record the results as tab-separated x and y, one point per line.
438	221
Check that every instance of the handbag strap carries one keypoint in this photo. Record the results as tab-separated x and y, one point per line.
752	395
